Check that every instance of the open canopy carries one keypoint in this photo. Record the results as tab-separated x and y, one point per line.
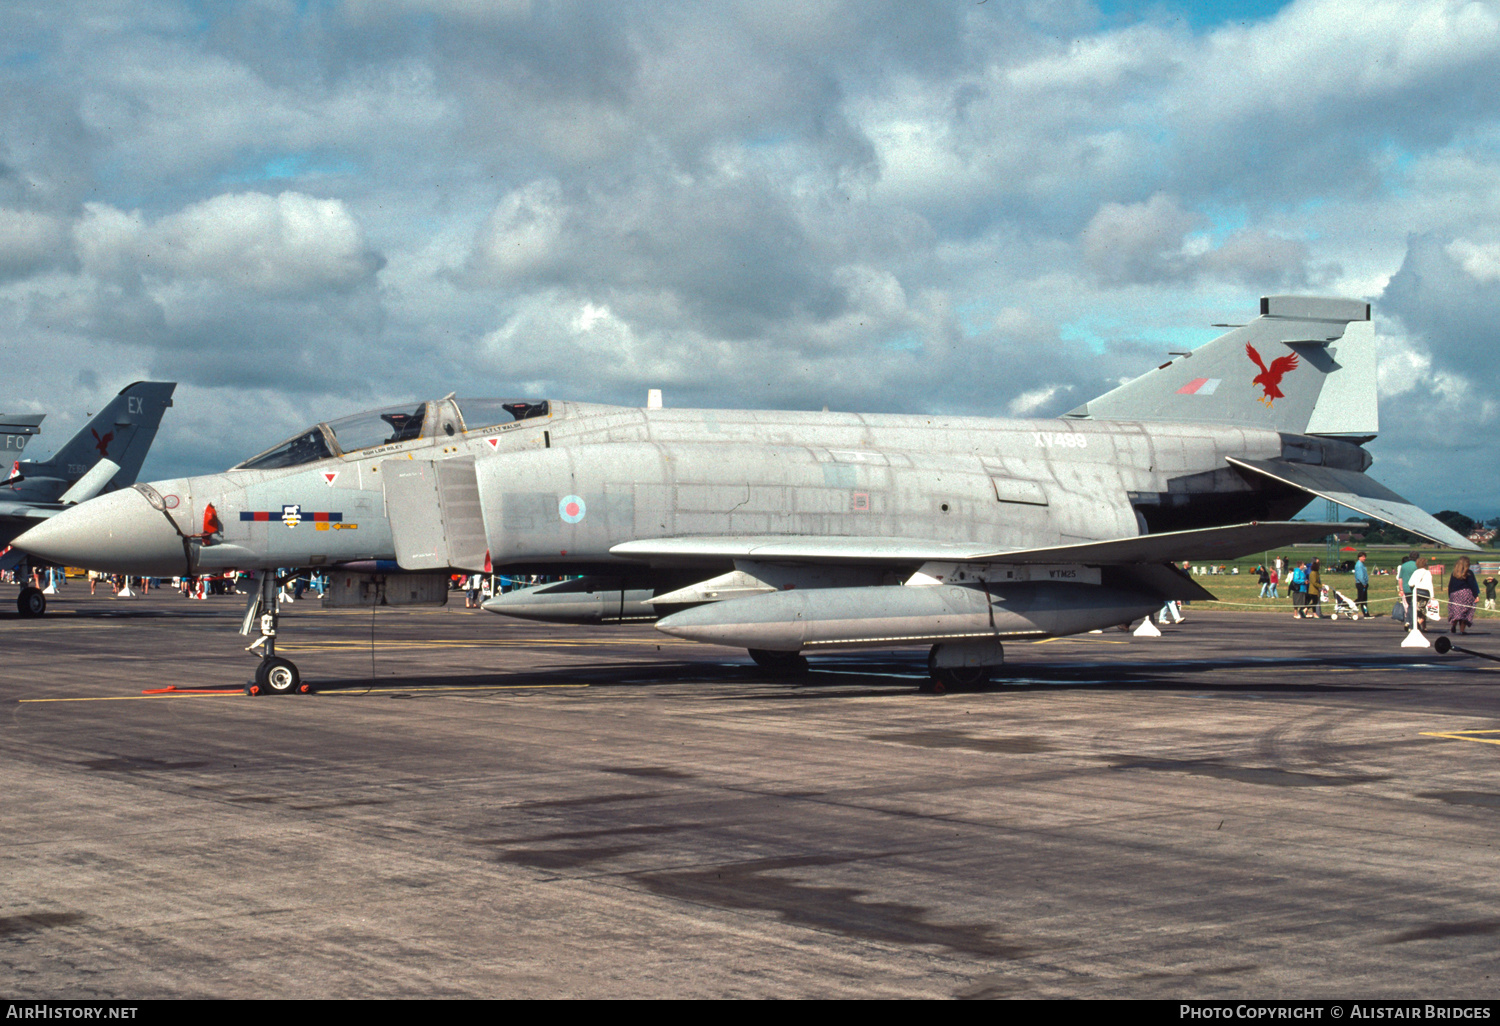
389	425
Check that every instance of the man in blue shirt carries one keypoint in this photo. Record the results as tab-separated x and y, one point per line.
1361	584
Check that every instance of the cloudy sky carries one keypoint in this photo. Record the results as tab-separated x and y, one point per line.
302	209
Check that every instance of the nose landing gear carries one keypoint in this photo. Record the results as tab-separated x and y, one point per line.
274	675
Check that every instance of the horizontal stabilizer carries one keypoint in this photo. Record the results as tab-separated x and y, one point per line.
20	424
1204	543
1362	494
29	510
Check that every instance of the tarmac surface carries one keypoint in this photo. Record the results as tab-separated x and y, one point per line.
1249	806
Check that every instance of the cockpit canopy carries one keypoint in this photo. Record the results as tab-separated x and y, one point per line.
392	424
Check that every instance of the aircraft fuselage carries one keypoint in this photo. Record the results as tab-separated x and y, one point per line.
560	491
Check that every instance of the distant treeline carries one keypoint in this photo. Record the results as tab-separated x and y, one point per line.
1381	533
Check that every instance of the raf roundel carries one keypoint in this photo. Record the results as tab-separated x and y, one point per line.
571	509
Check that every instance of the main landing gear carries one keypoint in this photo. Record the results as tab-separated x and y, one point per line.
783	664
274	675
963	677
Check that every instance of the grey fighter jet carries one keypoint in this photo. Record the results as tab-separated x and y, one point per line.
106	455
787	533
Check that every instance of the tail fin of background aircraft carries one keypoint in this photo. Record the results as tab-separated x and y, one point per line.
122	432
1305	366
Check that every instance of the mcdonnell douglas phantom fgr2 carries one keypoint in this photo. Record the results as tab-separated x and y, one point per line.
789	533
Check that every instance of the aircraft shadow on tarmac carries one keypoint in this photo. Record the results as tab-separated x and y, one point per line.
844	678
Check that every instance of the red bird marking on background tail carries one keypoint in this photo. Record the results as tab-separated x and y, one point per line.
1269	378
102	444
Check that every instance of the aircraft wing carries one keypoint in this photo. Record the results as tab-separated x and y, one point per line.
1361	494
1204	543
28	511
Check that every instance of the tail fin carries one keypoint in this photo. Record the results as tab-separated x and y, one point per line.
16	429
122	432
1305	366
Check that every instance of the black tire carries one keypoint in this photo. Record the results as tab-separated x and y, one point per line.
277	676
31	602
962	678
953	678
786	664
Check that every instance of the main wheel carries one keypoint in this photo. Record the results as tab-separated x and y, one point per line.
31	602
958	677
951	678
278	676
789	664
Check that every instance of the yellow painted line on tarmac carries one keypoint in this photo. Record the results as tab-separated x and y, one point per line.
1077	641
135	698
347	691
364	646
357	691
1464	735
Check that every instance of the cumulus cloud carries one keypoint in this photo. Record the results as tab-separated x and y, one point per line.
729	251
1444	294
1150	243
1027	404
29	241
286	245
1480	261
1439	368
279	245
242	287
1138	242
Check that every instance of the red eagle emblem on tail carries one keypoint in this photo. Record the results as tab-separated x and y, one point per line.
102	444
1269	378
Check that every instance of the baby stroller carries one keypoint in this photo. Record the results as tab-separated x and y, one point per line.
1344	604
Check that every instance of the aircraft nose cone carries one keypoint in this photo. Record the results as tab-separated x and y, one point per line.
117	533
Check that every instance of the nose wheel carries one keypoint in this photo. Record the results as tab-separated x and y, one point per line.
278	676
